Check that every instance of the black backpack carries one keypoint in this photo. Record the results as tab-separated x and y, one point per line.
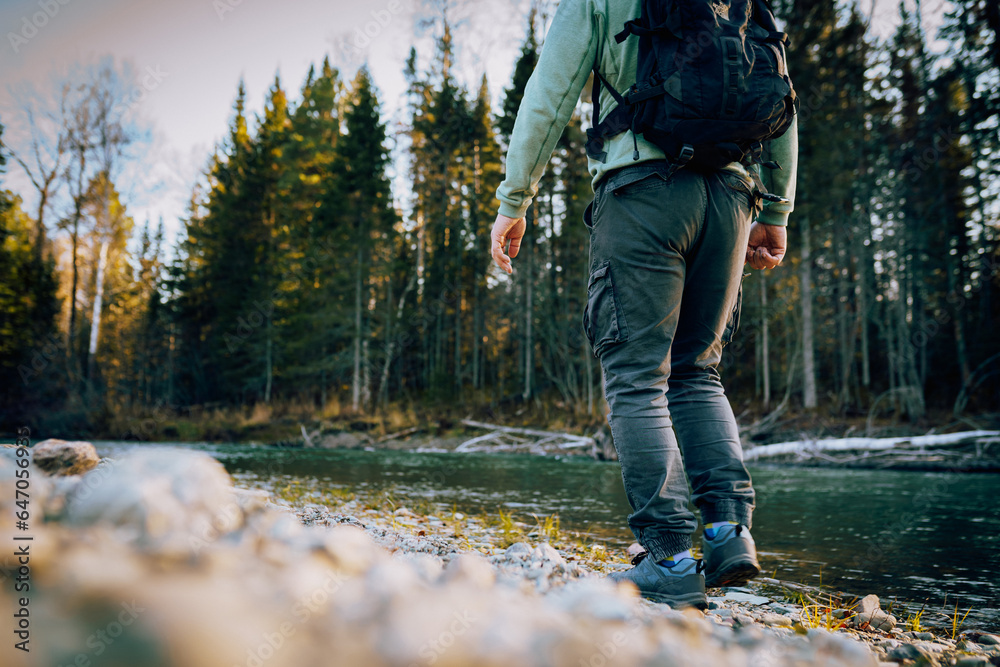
711	84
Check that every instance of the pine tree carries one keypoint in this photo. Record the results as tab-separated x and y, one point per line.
30	351
367	204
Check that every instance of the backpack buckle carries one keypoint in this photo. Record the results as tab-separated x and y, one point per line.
683	157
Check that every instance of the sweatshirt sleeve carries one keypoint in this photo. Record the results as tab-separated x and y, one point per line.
550	96
784	151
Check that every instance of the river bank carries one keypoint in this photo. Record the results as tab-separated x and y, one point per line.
156	559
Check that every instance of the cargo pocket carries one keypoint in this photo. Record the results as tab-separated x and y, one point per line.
733	325
603	318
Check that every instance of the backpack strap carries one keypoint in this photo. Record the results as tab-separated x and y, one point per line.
619	120
639	29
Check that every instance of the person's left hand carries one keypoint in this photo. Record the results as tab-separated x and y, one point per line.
766	246
506	229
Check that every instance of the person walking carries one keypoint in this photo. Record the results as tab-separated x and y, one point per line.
667	252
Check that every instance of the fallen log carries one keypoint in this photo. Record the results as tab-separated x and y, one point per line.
810	447
510	438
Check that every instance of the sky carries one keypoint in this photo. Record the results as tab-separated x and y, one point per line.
189	56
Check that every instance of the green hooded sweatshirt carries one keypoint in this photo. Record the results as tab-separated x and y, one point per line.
582	33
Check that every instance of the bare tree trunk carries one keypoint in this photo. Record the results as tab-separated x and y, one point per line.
765	342
71	334
366	386
458	320
845	328
961	352
170	364
529	361
391	351
808	353
356	383
589	365
269	360
866	373
477	335
95	321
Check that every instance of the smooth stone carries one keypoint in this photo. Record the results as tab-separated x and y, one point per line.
545	553
780	609
973	661
988	640
60	457
518	550
869	614
867	605
910	652
776	620
931	647
748	598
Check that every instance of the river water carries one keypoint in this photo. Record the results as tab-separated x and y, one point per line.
914	537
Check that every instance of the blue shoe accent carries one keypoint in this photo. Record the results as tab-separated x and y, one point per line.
675	559
730	557
712	529
682	585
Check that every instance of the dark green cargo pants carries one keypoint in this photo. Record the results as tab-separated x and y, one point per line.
666	259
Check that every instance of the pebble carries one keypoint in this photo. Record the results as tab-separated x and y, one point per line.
775	619
973	661
990	640
748	598
909	652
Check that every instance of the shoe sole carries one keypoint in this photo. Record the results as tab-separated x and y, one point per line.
695	600
734	572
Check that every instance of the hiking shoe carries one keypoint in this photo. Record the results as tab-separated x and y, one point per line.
730	557
682	585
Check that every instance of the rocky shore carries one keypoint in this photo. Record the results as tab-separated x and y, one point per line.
156	559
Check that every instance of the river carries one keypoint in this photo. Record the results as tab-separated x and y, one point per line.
918	538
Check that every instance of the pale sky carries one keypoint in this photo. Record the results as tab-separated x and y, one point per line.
194	52
199	50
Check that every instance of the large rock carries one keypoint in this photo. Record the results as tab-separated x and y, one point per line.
160	496
869	614
59	457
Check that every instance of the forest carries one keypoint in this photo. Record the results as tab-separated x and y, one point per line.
307	284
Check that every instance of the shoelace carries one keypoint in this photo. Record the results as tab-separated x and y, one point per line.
638	558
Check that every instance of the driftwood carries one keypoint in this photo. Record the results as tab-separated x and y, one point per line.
511	439
400	434
804	590
970	449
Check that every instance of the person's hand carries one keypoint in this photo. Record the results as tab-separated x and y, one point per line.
506	229
766	247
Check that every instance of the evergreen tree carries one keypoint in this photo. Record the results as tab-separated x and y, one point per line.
30	353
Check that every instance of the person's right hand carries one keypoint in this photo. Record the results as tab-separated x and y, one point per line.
766	247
